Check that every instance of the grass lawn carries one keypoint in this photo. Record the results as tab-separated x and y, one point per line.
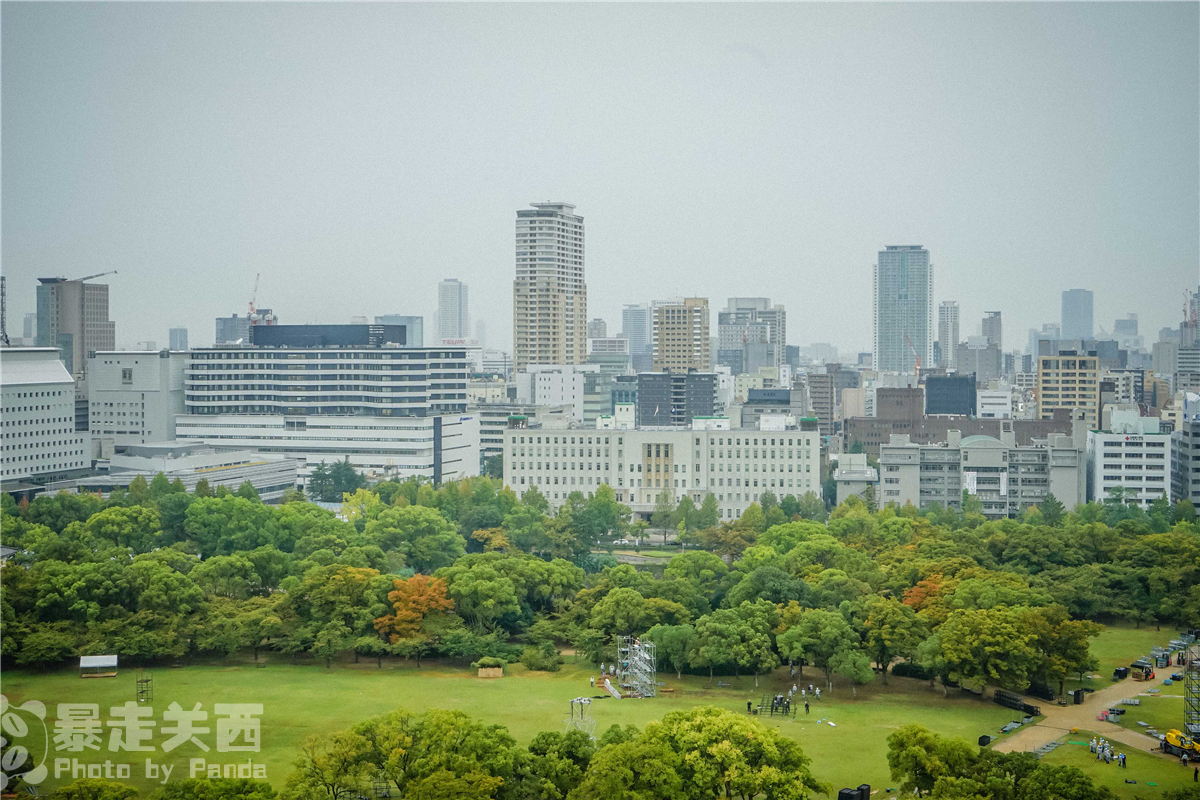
1163	713
1119	646
1143	768
300	700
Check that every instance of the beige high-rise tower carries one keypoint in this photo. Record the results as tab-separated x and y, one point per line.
680	335
549	293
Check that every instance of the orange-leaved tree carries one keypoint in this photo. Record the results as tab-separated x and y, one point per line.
412	600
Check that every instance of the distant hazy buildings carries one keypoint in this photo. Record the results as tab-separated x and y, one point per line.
751	321
680	335
38	421
454	320
903	300
413	325
948	334
232	329
992	331
550	292
597	329
1077	314
178	338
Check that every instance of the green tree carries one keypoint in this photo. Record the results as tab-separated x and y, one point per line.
202	488
214	789
333	639
818	637
247	492
673	643
709	514
893	631
982	646
94	789
917	757
160	486
664	510
332	766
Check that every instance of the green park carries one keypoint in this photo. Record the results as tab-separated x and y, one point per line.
360	641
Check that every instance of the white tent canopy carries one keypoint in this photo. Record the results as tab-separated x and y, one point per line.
86	662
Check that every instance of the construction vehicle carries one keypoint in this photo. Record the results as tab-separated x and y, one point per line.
1142	672
1175	743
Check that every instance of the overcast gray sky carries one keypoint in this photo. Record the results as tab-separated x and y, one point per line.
357	154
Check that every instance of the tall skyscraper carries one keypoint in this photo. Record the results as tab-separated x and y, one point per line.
232	329
73	316
178	338
454	320
749	321
991	329
680	335
549	293
1077	314
30	327
636	326
903	300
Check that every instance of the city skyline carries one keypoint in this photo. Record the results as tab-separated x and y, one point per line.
818	220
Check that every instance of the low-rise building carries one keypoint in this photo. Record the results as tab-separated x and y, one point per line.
1006	477
191	463
494	419
736	465
853	476
995	401
1132	455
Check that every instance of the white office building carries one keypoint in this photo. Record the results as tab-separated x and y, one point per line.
321	393
903	306
736	466
555	385
37	428
1132	455
133	398
995	401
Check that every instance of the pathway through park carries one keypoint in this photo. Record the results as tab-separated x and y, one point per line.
1059	720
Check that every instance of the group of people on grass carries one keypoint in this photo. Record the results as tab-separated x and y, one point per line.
606	671
1104	752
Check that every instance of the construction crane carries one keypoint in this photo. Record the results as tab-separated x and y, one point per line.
3	311
916	358
254	293
97	275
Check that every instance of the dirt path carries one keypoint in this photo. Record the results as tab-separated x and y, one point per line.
1059	720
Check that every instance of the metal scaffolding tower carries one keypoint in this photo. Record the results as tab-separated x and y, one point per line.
637	667
1191	691
579	718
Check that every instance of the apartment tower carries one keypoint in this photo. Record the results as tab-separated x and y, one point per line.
549	293
948	335
903	299
680	334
